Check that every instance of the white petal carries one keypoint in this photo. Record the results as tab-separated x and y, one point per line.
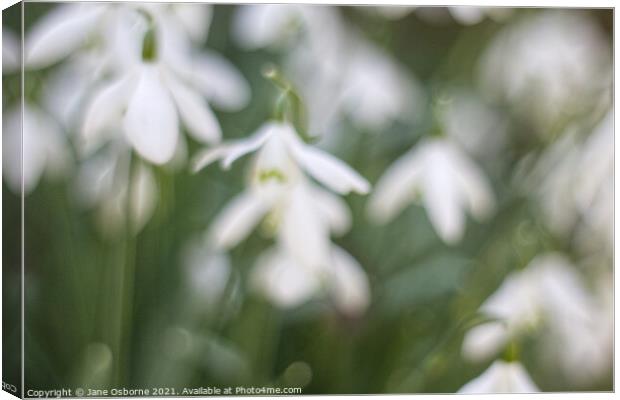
442	200
237	220
64	96
350	287
195	112
179	159
304	235
143	197
485	340
42	146
195	18
59	33
282	281
123	33
517	302
220	81
151	123
104	112
474	185
333	209
396	188
206	157
521	382
328	169
245	146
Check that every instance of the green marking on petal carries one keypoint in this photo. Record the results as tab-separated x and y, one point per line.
275	174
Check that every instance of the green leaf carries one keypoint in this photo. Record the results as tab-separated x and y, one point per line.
427	281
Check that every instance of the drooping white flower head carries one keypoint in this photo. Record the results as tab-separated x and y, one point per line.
443	178
40	148
502	377
547	65
300	214
288	283
549	297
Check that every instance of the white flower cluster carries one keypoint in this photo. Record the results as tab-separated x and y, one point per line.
302	216
571	181
129	78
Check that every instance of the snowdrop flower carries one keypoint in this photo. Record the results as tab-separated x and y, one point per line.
502	377
547	293
522	63
300	214
151	96
443	178
288	284
44	148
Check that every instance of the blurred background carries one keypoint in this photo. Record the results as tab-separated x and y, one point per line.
524	94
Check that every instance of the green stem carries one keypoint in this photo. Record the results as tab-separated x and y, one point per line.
126	280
